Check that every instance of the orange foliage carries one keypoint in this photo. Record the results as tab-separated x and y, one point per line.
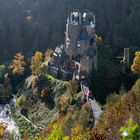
44	92
3	128
115	116
18	64
96	135
25	136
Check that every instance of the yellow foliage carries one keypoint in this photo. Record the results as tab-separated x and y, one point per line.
2	130
63	102
135	68
56	134
34	80
79	133
36	62
98	39
18	64
48	55
38	55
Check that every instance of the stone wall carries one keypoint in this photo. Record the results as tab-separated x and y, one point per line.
73	33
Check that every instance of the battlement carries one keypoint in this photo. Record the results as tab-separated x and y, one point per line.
77	18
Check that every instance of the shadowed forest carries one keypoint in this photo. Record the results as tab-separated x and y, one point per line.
27	26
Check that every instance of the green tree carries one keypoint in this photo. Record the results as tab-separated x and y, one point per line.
57	134
130	131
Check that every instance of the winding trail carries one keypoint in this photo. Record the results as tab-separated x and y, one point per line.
96	109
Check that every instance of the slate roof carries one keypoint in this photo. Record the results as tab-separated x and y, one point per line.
84	35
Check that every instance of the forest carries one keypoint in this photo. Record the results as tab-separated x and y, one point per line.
27	26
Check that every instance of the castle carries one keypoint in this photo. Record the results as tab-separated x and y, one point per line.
76	58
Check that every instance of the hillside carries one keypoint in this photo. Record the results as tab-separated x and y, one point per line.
42	102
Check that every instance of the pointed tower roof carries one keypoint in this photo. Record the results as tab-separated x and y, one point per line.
84	35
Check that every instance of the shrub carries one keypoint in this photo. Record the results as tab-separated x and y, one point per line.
21	101
79	133
64	103
130	131
44	92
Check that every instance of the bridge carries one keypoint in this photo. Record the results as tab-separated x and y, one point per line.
96	109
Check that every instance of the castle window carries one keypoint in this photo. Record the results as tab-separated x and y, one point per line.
79	45
91	41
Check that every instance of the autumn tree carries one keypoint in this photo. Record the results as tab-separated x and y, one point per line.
36	62
98	39
56	134
79	133
96	134
26	137
18	64
3	128
73	88
135	68
64	103
85	117
48	55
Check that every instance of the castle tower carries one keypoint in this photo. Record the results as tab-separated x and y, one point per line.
80	41
73	27
89	22
79	48
80	31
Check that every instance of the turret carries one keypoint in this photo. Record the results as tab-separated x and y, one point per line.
76	22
